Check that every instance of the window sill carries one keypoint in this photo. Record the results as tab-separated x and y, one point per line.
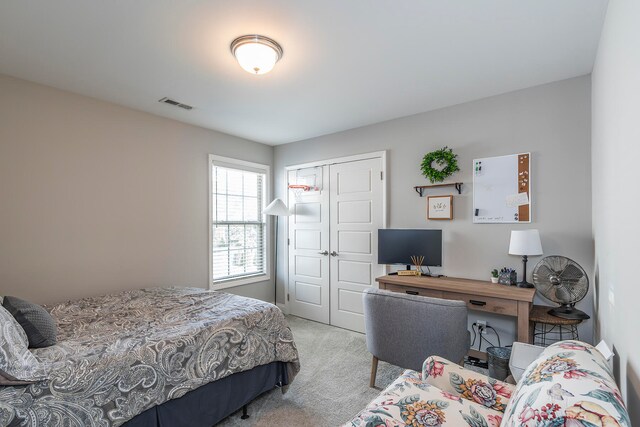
232	283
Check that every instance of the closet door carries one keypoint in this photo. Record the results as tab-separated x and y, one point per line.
356	214
309	245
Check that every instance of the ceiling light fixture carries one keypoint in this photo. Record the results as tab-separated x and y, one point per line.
256	54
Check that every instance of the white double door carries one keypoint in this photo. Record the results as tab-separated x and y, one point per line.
333	241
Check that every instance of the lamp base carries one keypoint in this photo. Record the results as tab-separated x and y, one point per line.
525	284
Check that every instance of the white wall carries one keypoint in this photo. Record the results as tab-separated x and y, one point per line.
552	121
616	153
95	197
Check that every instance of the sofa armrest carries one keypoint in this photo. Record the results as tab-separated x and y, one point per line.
458	381
569	382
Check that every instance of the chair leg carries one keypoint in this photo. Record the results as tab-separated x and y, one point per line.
374	370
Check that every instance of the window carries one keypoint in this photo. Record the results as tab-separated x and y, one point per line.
238	226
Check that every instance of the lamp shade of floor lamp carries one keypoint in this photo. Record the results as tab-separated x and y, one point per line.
276	208
525	243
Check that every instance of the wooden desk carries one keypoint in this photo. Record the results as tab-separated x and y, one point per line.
479	295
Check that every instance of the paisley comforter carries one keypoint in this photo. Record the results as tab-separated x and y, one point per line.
120	354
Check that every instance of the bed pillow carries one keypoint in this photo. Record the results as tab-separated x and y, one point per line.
17	363
37	323
455	380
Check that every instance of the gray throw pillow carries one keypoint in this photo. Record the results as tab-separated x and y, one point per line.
37	323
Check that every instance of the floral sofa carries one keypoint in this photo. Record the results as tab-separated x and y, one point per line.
569	384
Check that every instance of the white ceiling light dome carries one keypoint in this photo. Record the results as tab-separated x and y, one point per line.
256	54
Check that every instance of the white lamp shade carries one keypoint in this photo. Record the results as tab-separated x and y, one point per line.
525	242
256	58
277	208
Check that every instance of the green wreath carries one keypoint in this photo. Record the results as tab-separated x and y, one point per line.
444	156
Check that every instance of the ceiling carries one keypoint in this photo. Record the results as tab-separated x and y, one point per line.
346	63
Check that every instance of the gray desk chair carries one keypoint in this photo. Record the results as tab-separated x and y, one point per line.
406	329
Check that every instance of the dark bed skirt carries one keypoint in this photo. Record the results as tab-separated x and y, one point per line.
213	402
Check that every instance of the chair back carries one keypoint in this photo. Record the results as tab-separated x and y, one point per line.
406	329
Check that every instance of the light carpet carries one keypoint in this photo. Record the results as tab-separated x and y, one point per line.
332	386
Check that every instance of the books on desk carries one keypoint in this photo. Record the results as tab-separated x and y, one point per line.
409	273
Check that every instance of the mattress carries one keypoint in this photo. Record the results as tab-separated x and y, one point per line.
121	354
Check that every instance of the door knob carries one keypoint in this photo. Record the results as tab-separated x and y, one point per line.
334	253
325	253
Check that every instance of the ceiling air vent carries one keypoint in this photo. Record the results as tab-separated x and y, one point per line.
175	103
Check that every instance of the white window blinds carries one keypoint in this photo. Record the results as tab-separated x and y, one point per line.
238	225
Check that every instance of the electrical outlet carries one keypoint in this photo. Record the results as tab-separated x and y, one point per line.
612	298
482	326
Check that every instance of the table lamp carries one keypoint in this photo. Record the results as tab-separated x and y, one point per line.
525	243
276	208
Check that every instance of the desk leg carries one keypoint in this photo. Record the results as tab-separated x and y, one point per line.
524	334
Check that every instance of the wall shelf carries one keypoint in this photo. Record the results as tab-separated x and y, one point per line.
421	188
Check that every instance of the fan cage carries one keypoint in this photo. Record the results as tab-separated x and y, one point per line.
563	281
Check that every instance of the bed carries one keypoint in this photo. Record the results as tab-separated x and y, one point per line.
145	357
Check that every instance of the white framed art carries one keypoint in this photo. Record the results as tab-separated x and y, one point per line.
440	207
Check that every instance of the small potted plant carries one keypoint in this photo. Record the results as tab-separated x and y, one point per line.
495	274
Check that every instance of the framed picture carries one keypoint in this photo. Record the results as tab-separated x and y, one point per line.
440	207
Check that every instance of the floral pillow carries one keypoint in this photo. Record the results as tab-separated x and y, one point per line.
410	402
17	363
452	378
569	384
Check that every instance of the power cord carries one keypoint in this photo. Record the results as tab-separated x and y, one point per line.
478	330
495	332
473	328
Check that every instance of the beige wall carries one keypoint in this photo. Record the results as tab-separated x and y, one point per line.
616	150
552	121
95	197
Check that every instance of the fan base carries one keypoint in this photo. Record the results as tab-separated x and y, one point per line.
568	312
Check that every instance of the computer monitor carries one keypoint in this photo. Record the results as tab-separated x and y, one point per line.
397	246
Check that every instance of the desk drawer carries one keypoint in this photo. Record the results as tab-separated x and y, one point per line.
490	304
413	291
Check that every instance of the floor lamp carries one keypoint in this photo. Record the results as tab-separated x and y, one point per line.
276	208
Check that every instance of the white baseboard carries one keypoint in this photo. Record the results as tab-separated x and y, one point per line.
283	307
